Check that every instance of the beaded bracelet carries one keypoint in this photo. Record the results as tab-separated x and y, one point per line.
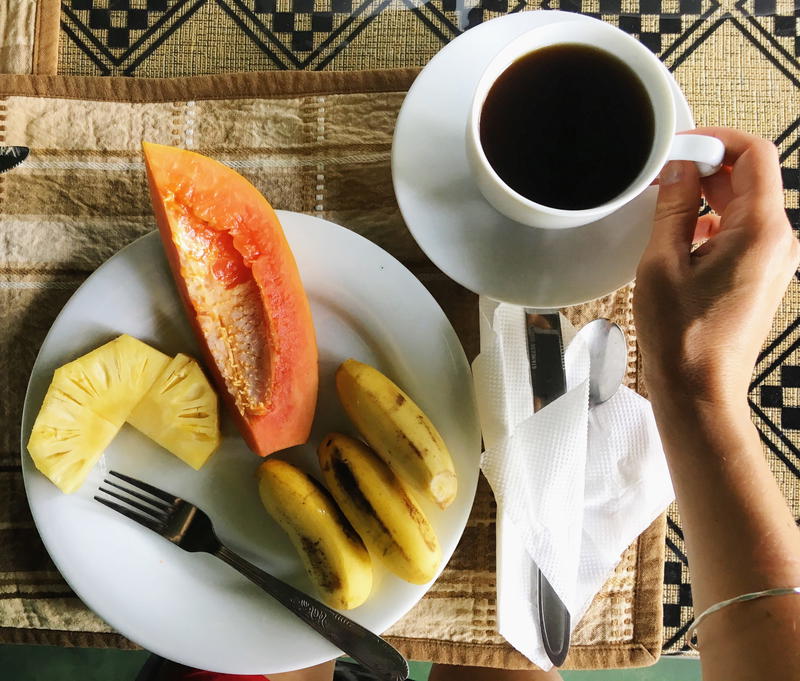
784	591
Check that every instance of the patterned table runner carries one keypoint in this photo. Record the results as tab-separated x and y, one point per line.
29	36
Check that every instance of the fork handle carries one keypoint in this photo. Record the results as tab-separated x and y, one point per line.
362	645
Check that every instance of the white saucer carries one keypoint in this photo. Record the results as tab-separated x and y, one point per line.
466	237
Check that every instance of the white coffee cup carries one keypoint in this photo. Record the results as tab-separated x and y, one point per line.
707	152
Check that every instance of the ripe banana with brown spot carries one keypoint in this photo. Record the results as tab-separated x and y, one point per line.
398	430
333	554
381	508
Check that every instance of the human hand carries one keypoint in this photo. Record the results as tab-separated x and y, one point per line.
702	317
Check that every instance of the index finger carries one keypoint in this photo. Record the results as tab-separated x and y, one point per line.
755	167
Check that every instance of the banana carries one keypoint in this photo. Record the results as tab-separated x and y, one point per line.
379	506
398	430
332	553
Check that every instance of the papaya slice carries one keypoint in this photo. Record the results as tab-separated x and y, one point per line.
242	291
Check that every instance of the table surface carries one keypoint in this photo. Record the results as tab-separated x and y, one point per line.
737	61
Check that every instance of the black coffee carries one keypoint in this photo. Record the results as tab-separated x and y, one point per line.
568	126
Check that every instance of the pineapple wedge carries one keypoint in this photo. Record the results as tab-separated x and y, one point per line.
86	404
68	439
179	412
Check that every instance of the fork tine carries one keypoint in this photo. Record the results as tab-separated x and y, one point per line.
147	522
159	505
156	513
160	493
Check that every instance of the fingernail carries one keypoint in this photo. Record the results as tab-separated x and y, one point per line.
672	173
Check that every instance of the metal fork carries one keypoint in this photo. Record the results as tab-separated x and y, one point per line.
189	527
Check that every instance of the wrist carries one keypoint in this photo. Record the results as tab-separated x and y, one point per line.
714	389
699	407
702	414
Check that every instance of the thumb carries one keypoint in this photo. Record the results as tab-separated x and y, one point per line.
676	210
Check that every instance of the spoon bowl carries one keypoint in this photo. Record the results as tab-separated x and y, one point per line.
608	354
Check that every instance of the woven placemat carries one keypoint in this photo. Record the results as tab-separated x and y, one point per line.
29	35
81	196
736	60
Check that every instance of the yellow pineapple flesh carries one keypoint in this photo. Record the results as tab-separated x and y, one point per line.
68	439
180	412
86	404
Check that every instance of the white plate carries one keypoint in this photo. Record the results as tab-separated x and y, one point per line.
192	608
466	237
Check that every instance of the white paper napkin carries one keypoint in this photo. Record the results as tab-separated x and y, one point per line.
574	486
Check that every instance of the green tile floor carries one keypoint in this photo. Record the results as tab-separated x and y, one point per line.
43	663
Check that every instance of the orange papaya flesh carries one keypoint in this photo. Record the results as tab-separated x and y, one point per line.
242	291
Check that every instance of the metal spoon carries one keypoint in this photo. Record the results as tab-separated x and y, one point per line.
608	354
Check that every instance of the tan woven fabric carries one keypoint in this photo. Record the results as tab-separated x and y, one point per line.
82	196
29	31
17	31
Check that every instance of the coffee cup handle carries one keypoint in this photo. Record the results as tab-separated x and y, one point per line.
707	152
